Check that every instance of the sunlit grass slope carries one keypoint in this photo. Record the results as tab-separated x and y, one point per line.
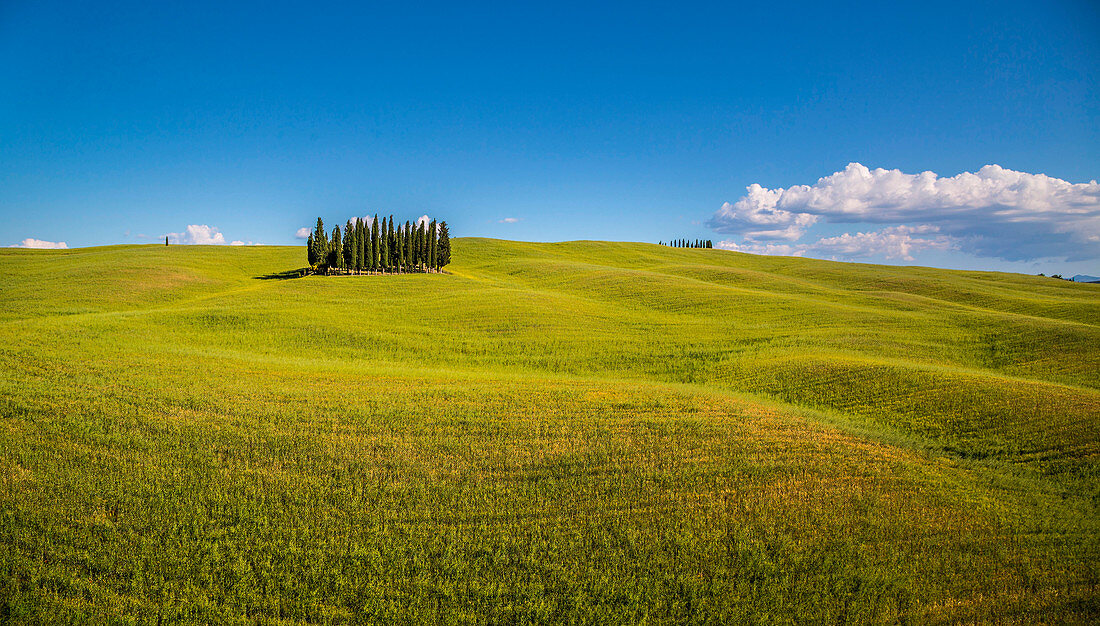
583	431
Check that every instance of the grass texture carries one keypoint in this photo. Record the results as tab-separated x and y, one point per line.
583	432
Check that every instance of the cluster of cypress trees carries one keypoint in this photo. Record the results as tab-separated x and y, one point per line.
379	246
688	243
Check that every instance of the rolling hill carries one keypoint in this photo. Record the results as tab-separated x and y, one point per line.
582	431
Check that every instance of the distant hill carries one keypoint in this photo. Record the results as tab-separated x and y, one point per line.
1085	278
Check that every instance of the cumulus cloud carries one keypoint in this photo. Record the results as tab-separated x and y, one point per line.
509	220
198	234
30	242
995	212
757	216
423	219
895	242
752	247
303	233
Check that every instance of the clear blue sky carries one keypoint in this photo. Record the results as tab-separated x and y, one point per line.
631	121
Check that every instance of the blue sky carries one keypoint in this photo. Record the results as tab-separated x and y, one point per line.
633	121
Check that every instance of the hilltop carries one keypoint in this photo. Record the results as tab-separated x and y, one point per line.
549	431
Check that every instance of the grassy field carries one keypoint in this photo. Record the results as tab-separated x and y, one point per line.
575	432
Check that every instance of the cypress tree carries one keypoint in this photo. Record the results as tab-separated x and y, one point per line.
397	249
384	239
444	245
419	245
336	250
368	246
320	244
349	246
353	253
360	243
391	246
426	247
408	245
400	238
310	251
364	244
376	250
434	250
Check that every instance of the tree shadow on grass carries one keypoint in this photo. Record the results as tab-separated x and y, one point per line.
287	275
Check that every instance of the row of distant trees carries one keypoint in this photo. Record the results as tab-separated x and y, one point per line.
688	243
367	245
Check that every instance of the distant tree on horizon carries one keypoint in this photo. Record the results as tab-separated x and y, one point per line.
687	243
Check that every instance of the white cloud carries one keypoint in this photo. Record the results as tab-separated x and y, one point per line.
757	216
39	243
198	235
993	212
895	242
777	249
423	219
303	233
509	220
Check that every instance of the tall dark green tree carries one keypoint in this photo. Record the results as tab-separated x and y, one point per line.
349	245
384	239
400	239
376	245
364	244
311	251
433	250
335	249
418	245
408	245
320	246
391	244
360	243
444	245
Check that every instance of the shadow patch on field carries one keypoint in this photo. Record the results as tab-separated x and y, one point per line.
287	275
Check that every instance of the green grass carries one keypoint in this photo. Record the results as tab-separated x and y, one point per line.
575	432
